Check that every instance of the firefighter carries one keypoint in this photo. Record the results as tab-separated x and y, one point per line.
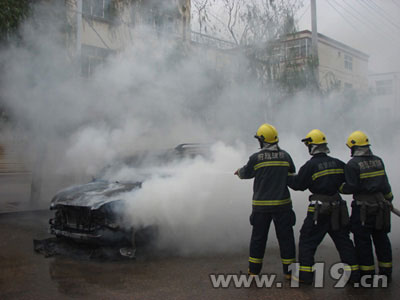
323	175
366	179
271	199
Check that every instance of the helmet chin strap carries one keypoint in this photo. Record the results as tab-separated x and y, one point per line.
260	140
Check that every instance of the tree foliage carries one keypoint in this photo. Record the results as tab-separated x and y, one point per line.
260	28
12	13
245	22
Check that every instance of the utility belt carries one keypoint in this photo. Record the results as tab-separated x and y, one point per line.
374	205
332	206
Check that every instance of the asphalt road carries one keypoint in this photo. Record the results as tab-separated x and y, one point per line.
15	192
25	274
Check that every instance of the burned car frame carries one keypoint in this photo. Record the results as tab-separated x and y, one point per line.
89	213
94	212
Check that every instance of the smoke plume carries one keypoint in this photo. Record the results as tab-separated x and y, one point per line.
152	96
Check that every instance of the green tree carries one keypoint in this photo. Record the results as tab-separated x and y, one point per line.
12	13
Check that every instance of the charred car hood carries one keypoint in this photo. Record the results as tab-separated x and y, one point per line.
93	194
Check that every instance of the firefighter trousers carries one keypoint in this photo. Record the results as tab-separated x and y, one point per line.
311	235
362	239
283	222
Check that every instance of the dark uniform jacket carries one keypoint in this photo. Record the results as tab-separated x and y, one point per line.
366	175
270	171
322	174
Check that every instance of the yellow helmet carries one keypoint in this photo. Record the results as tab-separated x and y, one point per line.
267	133
357	138
315	137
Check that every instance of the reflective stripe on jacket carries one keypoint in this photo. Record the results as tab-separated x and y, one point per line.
270	170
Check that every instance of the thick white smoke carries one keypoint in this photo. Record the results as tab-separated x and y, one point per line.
198	204
153	96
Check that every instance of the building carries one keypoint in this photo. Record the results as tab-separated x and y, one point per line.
385	91
339	66
102	27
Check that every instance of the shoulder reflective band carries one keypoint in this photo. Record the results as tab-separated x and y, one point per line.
255	260
385	264
272	202
288	261
311	209
327	172
271	163
367	268
306	268
388	195
372	174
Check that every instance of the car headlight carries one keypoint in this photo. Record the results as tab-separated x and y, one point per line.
112	225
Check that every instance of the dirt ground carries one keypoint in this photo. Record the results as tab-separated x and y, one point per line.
25	274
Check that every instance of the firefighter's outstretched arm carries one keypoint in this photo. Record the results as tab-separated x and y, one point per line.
300	181
247	171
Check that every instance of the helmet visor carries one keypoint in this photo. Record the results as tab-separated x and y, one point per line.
307	141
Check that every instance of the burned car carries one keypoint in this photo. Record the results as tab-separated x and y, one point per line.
90	212
93	212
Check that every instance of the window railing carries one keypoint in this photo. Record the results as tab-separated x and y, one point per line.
211	41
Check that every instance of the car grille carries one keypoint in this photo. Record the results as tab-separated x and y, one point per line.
80	218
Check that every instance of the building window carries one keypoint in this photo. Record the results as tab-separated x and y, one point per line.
347	86
276	52
305	47
292	49
97	8
348	62
298	48
156	17
92	57
384	87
